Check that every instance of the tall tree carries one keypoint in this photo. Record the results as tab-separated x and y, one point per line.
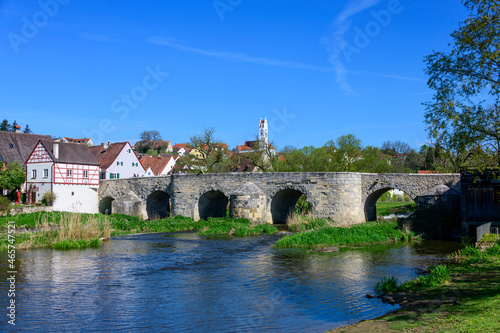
27	129
13	128
210	150
5	126
12	177
152	135
460	118
396	147
348	150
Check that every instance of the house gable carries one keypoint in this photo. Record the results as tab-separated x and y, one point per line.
39	155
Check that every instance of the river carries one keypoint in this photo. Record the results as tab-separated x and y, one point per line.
183	282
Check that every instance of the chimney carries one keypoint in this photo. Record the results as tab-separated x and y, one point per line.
55	151
17	129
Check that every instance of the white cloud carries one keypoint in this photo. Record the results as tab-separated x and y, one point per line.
238	57
335	41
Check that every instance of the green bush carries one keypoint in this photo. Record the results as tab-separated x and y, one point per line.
388	284
49	198
4	205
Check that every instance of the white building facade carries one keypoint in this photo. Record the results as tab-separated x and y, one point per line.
71	173
117	161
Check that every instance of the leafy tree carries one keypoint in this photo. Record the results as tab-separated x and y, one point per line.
374	160
211	150
396	147
13	127
27	129
12	177
348	150
457	118
148	136
5	126
151	152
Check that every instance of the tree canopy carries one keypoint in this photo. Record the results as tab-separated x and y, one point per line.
463	118
152	135
12	177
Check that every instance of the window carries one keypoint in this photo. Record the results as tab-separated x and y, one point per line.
122	163
102	175
129	151
117	175
11	145
117	163
69	173
33	174
45	173
112	176
85	174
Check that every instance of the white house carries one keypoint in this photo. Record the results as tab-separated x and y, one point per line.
158	165
117	160
69	170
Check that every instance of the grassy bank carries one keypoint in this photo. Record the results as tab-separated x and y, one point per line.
326	235
461	295
67	230
394	207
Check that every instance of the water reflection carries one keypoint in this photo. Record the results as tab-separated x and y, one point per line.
182	282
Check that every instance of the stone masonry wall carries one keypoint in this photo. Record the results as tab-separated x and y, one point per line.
341	196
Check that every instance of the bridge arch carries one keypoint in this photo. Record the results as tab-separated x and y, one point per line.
105	205
370	202
211	202
283	201
158	205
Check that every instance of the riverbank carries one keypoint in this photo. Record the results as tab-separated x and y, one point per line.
319	233
70	230
469	300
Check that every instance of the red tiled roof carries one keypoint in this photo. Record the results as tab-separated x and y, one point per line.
251	145
178	146
156	163
107	156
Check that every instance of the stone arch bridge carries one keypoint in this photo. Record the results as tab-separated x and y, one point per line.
264	197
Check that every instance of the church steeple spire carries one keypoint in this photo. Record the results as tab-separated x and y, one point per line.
263	131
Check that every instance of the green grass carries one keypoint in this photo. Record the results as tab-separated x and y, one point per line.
358	234
64	231
437	276
393	207
490	238
462	295
387	285
75	244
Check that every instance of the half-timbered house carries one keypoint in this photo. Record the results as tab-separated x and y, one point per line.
69	170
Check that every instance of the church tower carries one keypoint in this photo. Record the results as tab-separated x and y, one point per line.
263	133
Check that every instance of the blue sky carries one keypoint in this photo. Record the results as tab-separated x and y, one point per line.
316	69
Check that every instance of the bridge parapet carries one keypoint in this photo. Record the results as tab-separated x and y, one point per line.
345	197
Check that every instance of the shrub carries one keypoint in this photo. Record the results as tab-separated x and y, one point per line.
49	198
4	205
388	284
437	276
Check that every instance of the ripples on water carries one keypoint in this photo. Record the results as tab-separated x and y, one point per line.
183	282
